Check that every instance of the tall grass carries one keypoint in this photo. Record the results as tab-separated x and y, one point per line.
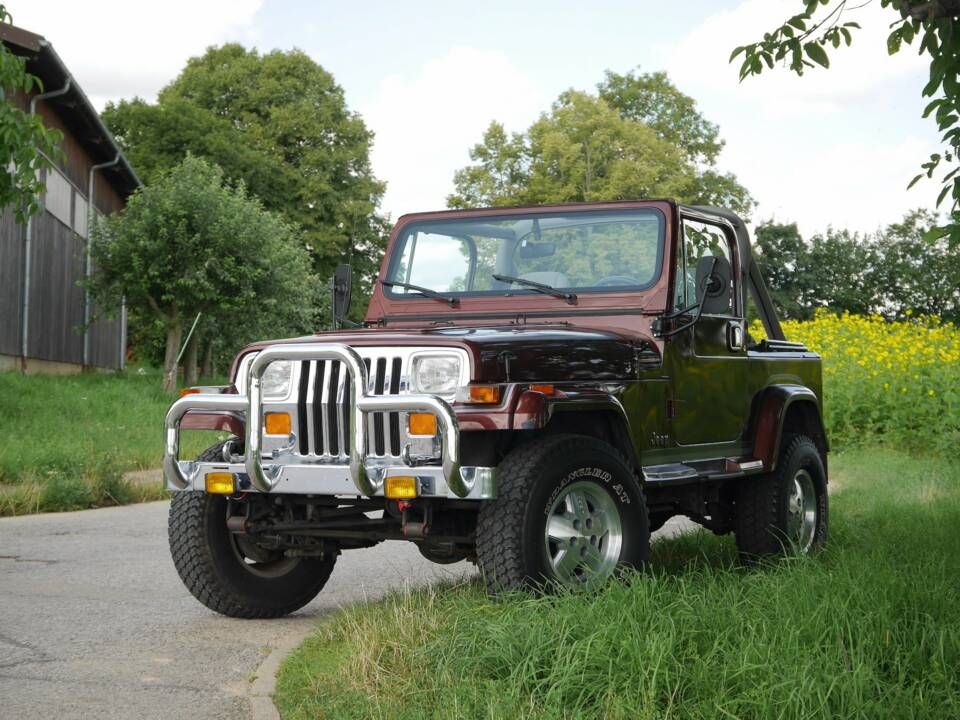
868	629
66	441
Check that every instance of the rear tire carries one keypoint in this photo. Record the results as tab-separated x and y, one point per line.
228	573
568	511
786	511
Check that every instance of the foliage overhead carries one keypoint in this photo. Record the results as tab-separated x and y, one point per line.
805	40
26	146
638	137
279	123
187	243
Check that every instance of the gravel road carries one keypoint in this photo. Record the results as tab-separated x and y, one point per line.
94	622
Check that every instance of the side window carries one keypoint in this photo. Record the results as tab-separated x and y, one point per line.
58	197
701	240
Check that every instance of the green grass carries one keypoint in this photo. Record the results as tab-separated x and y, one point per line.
869	628
68	440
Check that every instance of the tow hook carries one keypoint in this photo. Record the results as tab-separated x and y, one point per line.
410	525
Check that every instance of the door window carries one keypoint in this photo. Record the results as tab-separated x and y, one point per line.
699	240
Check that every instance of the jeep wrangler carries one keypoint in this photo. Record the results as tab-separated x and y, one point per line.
534	389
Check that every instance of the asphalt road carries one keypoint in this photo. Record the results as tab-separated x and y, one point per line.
95	623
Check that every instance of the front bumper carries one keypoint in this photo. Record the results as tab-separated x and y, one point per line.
362	474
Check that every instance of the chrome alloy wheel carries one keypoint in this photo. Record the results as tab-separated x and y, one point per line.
802	512
583	535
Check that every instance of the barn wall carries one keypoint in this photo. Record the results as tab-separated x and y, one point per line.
56	302
57	259
11	274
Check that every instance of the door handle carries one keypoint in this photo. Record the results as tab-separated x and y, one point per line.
735	335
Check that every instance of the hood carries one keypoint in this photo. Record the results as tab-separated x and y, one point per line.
510	353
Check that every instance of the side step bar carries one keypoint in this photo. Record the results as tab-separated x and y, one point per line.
681	474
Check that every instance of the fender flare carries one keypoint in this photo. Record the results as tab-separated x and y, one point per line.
772	408
534	410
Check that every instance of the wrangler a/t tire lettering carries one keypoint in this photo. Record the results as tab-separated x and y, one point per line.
568	511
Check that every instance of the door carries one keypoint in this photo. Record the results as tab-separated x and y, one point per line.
709	359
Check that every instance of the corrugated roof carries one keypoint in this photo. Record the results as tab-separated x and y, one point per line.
74	107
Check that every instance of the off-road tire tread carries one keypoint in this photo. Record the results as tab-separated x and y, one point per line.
758	504
194	563
500	522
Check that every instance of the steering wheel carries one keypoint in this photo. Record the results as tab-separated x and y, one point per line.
616	280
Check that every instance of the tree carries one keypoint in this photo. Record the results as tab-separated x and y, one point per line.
899	271
839	272
804	41
156	137
639	137
921	273
782	255
187	244
26	146
279	123
656	102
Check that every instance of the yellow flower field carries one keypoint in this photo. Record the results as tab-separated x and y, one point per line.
897	382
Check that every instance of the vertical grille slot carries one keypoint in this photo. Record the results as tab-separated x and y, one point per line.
325	409
395	417
343	403
302	433
330	395
378	440
348	400
319	366
369	418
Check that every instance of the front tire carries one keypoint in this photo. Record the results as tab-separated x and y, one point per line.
230	574
785	512
569	511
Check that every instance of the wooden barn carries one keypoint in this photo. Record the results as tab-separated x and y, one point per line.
44	311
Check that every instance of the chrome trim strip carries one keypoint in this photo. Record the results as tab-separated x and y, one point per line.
336	480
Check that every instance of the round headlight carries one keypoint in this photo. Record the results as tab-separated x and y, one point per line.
436	375
275	382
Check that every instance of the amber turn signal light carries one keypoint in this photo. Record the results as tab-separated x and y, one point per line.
488	394
401	487
189	391
219	483
545	389
277	423
422	424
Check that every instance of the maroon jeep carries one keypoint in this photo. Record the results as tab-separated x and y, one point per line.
534	389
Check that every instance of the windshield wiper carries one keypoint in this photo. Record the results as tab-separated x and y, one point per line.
538	287
426	292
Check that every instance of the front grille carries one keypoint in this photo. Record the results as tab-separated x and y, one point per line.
324	405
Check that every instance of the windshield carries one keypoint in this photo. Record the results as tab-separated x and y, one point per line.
582	252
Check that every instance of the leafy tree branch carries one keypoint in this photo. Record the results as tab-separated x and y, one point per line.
803	42
26	146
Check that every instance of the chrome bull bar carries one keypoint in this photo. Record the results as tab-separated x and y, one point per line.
264	478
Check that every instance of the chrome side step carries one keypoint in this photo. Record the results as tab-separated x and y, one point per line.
673	473
722	469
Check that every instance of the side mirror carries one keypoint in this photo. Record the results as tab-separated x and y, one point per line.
714	286
341	287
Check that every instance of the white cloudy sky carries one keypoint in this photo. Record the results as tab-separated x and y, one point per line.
836	148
